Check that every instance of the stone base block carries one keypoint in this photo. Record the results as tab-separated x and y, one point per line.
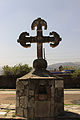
39	98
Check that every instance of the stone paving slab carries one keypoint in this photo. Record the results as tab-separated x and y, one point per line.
4	106
72	92
72	108
11	107
3	113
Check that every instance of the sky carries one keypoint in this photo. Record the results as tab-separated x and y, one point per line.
62	16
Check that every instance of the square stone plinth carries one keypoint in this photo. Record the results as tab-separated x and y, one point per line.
39	97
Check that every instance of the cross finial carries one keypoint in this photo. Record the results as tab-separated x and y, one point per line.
39	23
53	37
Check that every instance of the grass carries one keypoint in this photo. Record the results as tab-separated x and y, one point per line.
13	115
7	110
71	104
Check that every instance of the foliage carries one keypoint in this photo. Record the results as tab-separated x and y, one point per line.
69	67
61	68
76	73
16	70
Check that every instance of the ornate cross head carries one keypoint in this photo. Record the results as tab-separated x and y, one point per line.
25	40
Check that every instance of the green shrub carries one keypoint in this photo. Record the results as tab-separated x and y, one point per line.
16	70
76	73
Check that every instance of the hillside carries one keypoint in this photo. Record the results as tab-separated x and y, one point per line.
76	64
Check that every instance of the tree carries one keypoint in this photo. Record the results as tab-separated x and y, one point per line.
61	68
6	70
69	68
16	70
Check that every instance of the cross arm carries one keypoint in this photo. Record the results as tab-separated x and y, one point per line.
46	39
31	39
25	40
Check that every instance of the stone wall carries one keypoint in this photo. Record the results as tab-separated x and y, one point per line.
10	81
70	82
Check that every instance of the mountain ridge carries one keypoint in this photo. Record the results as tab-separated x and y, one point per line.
71	64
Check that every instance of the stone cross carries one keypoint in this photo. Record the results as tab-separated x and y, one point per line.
25	40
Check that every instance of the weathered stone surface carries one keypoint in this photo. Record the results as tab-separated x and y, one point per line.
25	82
36	97
32	84
25	92
31	103
30	113
52	91
48	92
59	95
59	109
52	110
40	101
42	97
19	85
42	109
58	83
25	113
19	93
23	101
31	92
61	92
19	111
43	82
17	102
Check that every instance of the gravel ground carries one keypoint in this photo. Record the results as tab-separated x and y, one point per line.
9	96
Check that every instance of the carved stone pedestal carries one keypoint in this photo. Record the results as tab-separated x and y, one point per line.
39	96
